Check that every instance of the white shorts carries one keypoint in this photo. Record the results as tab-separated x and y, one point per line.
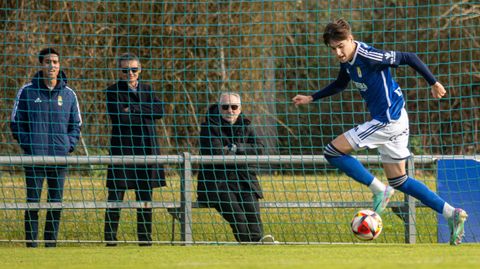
391	139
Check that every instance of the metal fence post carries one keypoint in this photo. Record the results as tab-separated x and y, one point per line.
186	200
410	219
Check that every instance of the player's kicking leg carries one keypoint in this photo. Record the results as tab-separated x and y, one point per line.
336	154
455	217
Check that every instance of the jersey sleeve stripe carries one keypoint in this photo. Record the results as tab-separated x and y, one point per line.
78	106
17	100
371	55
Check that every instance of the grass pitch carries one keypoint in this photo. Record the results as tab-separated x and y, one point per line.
295	225
435	256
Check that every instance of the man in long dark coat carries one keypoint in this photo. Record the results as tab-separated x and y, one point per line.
133	108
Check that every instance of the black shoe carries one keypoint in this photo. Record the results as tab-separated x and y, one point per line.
145	244
31	245
111	245
50	245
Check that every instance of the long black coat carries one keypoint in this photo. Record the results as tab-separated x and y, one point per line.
133	133
215	134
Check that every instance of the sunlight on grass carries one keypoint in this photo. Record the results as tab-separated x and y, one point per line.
286	224
426	256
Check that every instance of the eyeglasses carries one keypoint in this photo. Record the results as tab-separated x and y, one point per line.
233	107
133	69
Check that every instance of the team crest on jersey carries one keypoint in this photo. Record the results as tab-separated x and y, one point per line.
359	72
60	100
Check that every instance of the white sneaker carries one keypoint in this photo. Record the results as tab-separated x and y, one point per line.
269	240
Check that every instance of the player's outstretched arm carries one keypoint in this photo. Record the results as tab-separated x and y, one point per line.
438	91
302	99
335	87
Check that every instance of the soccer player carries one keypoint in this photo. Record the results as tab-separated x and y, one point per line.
388	130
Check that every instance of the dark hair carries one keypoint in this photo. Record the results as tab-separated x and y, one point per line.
337	30
127	57
44	52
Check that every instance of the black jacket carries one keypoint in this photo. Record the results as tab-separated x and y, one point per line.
133	133
215	134
44	121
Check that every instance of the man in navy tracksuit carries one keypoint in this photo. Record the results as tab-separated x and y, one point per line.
46	121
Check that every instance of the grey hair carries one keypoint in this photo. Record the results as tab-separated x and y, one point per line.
127	57
228	94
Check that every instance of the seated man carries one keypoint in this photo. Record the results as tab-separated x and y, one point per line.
232	189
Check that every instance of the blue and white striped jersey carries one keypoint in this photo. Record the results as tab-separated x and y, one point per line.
369	70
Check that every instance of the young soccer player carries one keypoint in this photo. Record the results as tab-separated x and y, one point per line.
388	130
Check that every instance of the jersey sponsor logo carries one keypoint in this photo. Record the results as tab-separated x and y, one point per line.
60	100
361	86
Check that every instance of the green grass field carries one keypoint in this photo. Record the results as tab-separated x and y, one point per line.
435	256
286	224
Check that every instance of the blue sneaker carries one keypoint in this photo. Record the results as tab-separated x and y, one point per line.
456	225
381	199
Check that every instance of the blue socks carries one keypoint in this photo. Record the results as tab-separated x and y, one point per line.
354	169
349	165
418	190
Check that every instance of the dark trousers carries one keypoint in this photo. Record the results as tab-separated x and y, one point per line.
34	182
144	215
242	211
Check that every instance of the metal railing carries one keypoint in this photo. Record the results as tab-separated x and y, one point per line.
183	210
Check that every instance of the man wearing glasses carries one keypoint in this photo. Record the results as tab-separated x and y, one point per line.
133	108
232	189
